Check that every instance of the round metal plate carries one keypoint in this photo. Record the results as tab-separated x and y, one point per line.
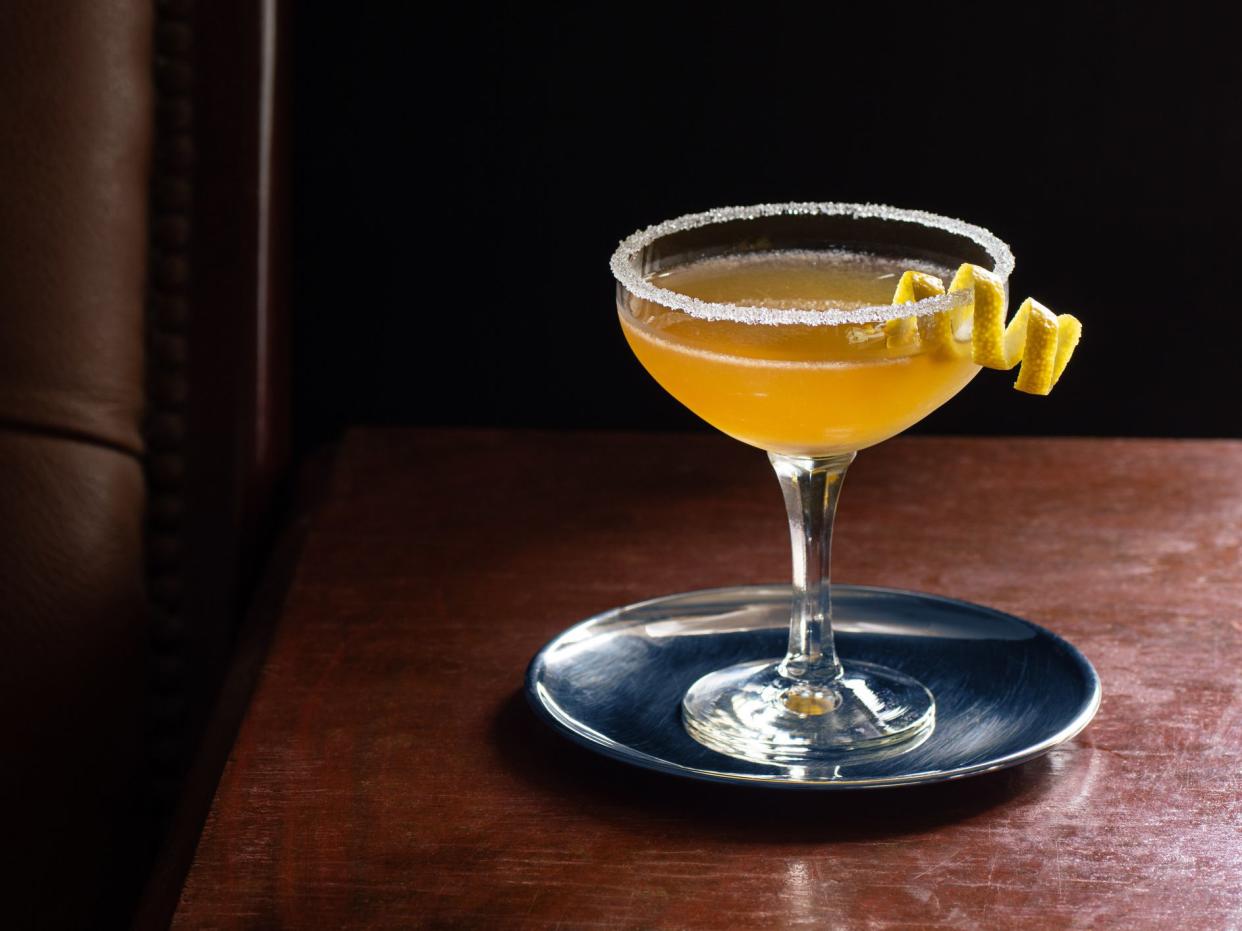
1006	690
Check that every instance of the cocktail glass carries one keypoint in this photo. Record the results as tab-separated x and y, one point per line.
811	380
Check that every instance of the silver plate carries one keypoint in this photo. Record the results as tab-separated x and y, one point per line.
1006	690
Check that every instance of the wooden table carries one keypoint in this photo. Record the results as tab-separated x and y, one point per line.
389	774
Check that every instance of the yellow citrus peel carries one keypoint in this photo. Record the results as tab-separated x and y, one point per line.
1036	337
913	286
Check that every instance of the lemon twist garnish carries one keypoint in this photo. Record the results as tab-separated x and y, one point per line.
1041	340
913	286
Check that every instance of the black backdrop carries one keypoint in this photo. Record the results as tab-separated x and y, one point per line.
460	185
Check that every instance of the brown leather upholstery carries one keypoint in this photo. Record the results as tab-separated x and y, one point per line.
75	140
141	417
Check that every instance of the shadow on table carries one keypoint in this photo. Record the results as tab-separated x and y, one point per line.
542	759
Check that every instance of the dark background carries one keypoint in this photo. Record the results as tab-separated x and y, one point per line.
460	184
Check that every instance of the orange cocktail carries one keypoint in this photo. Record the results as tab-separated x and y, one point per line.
801	390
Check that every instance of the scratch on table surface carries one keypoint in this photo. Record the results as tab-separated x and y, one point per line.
937	867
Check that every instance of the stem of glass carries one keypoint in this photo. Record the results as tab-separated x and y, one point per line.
811	487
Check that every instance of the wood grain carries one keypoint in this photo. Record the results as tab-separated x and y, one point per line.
388	773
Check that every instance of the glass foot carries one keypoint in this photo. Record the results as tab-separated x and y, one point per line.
753	712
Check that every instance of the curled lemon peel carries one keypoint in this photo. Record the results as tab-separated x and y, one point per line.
1036	337
913	286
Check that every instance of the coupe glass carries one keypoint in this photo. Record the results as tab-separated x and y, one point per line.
797	379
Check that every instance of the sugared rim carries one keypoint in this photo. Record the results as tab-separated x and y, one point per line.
628	274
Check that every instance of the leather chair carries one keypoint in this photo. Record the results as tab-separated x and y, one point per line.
143	425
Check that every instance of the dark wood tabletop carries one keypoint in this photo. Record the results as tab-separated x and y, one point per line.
389	774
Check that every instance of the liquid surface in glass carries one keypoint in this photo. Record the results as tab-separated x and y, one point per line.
796	389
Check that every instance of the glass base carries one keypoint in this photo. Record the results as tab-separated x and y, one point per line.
752	712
